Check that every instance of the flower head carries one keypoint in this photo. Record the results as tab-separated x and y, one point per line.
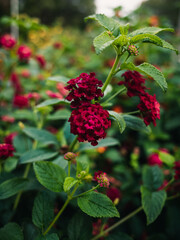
133	50
154	159
9	138
70	156
6	118
21	101
102	179
7	41
114	194
54	94
177	170
83	89
15	81
41	60
6	150
89	122
24	53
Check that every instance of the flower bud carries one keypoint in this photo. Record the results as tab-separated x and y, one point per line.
21	125
70	156
133	50
102	180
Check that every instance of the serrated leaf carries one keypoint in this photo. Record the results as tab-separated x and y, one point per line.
36	155
152	177
52	236
102	41
136	123
120	120
60	114
107	142
108	23
147	38
79	227
43	210
11	231
50	175
40	135
167	158
168	46
150	30
152	203
69	183
97	205
10	164
53	101
12	186
58	78
23	114
149	70
22	143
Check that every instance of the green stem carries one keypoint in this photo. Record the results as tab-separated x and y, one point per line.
111	73
134	112
117	93
118	223
69	168
73	144
174	196
61	210
90	190
169	183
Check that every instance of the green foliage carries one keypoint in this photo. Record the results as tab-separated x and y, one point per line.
146	38
102	41
43	210
97	205
69	183
61	79
118	236
12	186
50	175
41	136
22	144
152	177
79	227
10	164
62	114
52	236
51	102
11	231
149	30
136	123
120	120
36	155
152	203
167	158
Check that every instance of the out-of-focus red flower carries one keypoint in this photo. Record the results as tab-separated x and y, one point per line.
21	101
16	83
57	45
61	89
9	138
97	228
165	183
109	63
41	60
6	150
154	21
117	109
51	129
154	159
54	94
24	53
25	73
6	118
7	41
35	96
177	170
114	194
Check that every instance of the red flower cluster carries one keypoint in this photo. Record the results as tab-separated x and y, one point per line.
54	94
24	53
154	159
8	119
6	150
16	83
101	178
89	122
177	170
83	89
98	226
41	60
114	194
148	105
7	41
21	101
9	138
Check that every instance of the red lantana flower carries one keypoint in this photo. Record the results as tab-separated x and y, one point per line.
102	179
24	53
154	159
83	89
114	194
89	122
21	101
8	119
41	60
177	170
6	150
16	83
7	41
9	138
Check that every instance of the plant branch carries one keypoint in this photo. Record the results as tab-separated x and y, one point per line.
90	190
117	93
71	147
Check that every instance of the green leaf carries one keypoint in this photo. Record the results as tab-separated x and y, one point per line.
147	38
40	135
152	203
22	143
107	142
53	101
167	158
10	164
149	70
150	30
11	231
36	155
118	236
168	46
136	123
108	23
50	175
62	79
52	236
69	183
23	114
12	186
43	210
152	177
97	205
102	41
60	114
120	120
79	227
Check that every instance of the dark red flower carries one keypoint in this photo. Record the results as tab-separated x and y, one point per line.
24	53
61	89
54	94
6	118
41	60
154	159
6	150
150	108
25	73
33	95
134	83
113	193
16	83
57	45
98	226
7	41
83	89
9	138
89	122
21	101
177	170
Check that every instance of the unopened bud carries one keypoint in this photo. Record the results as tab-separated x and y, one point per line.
88	178
21	125
133	50
103	180
70	156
